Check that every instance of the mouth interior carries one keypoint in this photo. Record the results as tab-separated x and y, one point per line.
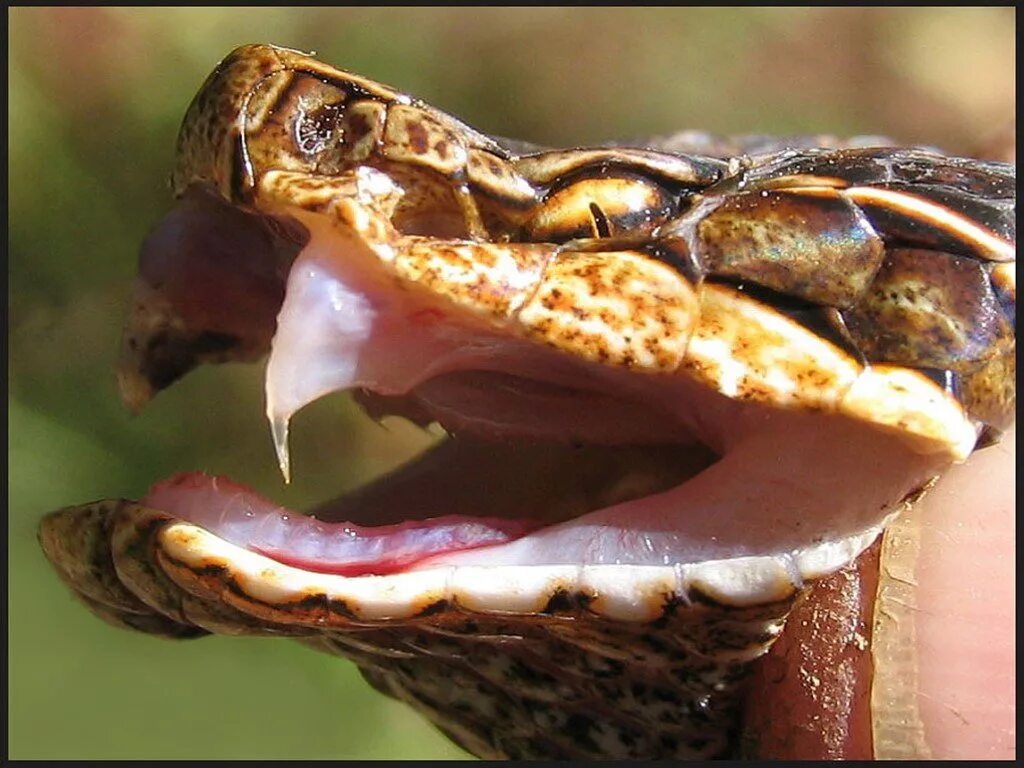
538	483
550	459
462	494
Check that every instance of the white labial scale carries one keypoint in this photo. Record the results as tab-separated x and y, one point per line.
622	592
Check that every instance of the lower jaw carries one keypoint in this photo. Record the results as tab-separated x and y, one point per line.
561	658
522	662
695	668
505	680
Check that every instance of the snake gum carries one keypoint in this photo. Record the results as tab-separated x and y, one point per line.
641	350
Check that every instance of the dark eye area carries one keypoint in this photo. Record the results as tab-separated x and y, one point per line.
317	128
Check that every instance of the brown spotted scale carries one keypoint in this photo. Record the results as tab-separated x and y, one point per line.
872	283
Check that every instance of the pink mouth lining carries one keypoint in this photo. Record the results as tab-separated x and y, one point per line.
241	516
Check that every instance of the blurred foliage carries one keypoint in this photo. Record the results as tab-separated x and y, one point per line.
96	96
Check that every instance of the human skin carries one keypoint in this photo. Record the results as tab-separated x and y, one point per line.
965	622
926	671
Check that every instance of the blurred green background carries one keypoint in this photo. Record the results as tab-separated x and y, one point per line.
96	97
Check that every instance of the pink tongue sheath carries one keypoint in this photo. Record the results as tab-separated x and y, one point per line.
244	518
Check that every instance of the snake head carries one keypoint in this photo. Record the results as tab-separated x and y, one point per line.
662	432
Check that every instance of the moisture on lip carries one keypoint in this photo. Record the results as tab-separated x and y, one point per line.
240	515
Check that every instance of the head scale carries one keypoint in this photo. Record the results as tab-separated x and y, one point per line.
266	107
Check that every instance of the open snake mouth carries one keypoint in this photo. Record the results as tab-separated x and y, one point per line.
552	460
675	388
